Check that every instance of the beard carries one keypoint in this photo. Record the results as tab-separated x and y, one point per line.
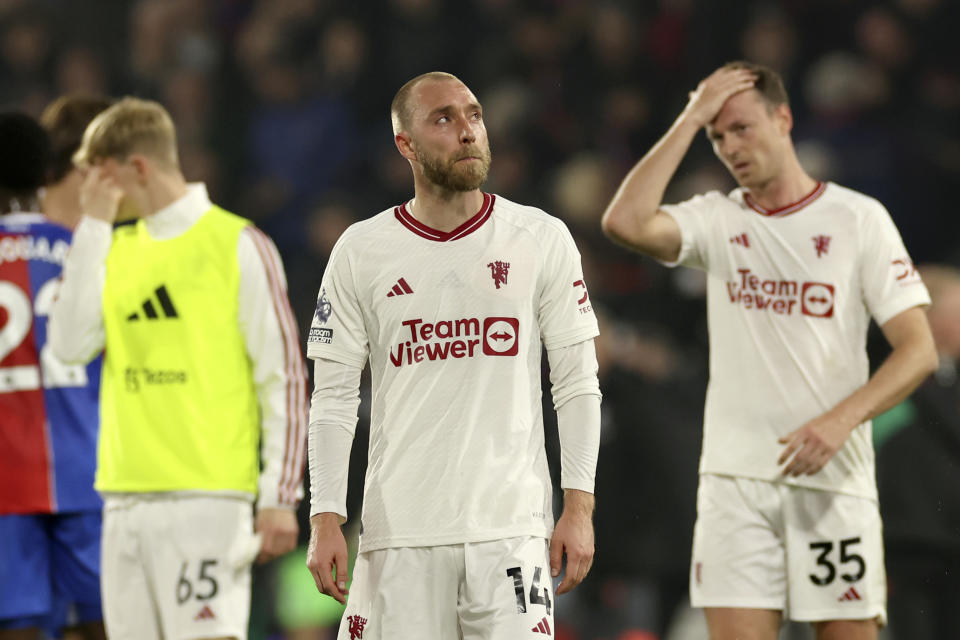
449	175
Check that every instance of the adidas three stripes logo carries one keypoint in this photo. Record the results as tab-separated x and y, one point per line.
149	310
399	289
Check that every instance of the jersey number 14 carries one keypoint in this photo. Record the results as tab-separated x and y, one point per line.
537	595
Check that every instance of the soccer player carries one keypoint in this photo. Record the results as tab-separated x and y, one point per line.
787	519
65	119
49	512
450	297
203	391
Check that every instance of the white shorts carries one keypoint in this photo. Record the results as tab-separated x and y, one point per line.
177	566
815	555
496	590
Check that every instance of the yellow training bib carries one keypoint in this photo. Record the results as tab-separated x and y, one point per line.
178	404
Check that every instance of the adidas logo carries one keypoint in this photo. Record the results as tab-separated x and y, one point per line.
150	310
851	594
205	614
543	627
741	240
400	288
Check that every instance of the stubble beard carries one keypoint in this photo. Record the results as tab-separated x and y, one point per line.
449	175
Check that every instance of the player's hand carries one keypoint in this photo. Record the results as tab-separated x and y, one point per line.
278	529
327	556
573	537
812	445
713	91
100	195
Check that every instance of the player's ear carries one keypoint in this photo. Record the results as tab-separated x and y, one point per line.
405	145
140	164
784	118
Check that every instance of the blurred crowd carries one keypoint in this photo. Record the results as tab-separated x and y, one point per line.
282	108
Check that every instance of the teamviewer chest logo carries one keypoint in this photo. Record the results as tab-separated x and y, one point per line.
423	341
816	299
500	336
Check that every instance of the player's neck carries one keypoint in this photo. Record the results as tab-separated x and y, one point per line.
164	190
444	210
61	204
788	187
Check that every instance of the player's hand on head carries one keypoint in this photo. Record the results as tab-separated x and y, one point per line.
278	529
573	538
714	90
100	195
809	448
327	556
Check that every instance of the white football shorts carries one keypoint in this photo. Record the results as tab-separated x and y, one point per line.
815	555
495	590
177	566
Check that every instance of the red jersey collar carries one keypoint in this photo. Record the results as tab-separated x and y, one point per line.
790	208
468	227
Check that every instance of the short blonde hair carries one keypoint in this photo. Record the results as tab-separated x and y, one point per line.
131	125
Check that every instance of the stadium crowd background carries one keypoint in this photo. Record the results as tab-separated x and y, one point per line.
282	109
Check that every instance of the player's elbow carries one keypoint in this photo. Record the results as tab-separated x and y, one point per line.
621	226
613	223
930	359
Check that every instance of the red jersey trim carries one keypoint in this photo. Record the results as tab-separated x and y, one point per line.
790	208
464	229
291	473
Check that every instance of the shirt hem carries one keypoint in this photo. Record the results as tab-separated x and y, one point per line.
917	298
315	352
127	493
453	538
566	340
803	484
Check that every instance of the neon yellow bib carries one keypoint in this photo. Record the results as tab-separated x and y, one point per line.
178	405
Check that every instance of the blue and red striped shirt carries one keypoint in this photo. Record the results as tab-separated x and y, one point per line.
48	410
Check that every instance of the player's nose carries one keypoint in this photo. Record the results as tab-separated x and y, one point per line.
467	135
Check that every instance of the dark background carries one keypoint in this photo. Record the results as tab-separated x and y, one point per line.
282	108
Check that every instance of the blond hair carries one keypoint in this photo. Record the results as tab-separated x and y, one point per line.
129	126
400	111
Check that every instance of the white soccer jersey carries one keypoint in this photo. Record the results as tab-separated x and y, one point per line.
452	324
789	297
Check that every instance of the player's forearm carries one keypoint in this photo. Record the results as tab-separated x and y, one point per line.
333	419
635	204
325	521
576	397
578	503
578	423
75	330
904	369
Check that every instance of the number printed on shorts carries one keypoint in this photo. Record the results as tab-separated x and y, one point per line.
829	571
206	584
535	590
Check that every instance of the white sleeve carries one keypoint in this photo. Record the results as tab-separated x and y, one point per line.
75	329
279	374
337	331
333	422
696	222
890	282
565	313
576	397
